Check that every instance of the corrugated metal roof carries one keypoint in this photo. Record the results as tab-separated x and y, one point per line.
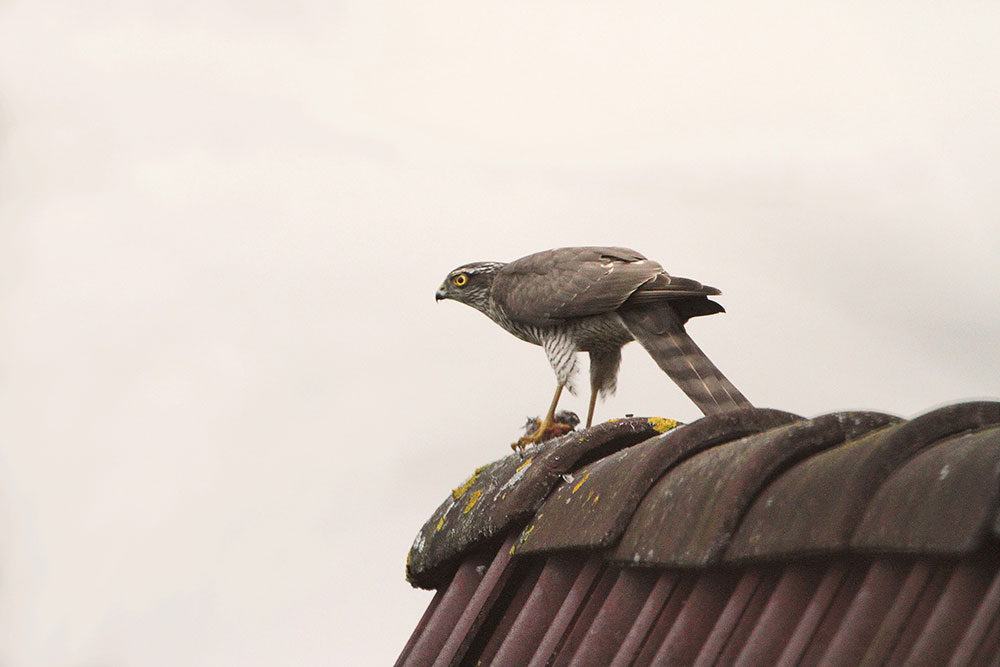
752	537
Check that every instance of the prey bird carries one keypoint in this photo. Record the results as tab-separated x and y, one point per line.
595	300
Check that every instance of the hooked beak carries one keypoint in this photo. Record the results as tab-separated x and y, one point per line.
440	294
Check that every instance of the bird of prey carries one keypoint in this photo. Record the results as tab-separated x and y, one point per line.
595	300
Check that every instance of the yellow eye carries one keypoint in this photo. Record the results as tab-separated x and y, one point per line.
460	279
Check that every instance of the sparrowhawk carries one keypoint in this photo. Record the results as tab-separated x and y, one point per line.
595	300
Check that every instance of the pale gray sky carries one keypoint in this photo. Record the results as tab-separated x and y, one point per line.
228	400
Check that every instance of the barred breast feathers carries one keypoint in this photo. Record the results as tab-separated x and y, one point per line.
561	351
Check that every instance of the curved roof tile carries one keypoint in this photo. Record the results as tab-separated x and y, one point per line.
815	506
747	485
592	508
689	517
948	494
509	490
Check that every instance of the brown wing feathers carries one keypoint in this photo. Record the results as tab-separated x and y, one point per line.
555	285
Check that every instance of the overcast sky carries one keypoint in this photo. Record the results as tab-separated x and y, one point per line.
228	400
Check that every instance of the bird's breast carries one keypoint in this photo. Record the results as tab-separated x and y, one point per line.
526	332
591	333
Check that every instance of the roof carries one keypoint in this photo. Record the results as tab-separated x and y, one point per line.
752	534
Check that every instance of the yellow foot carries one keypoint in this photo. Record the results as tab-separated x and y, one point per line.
535	437
546	430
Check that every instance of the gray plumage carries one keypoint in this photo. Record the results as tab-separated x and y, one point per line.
595	300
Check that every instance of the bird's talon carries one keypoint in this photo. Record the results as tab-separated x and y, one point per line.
537	436
522	443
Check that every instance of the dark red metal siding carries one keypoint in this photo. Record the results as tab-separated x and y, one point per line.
689	629
841	610
538	612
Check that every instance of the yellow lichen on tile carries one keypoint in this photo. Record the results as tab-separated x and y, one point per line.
527	462
661	425
440	524
580	483
460	491
473	499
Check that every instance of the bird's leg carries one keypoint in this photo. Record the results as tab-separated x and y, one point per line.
543	427
593	402
604	364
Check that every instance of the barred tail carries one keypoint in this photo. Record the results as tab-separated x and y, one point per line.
660	331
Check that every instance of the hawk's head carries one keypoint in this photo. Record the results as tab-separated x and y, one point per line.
470	284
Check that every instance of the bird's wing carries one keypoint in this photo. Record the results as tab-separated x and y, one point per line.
666	287
551	286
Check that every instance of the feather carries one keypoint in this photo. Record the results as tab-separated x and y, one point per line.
660	332
554	285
